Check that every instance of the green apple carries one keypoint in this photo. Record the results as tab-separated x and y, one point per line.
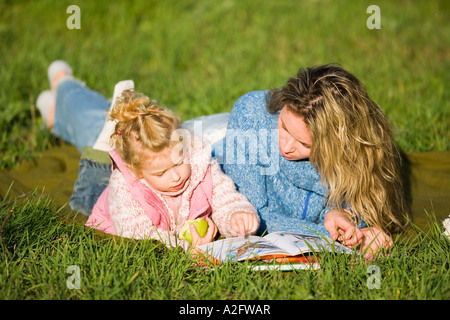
200	224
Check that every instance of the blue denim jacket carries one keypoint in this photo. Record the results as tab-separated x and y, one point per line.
288	195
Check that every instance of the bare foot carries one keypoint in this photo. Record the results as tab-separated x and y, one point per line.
58	76
51	115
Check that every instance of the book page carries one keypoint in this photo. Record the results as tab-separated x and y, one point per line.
276	243
240	248
295	244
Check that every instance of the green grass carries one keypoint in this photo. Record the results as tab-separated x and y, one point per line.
198	57
37	249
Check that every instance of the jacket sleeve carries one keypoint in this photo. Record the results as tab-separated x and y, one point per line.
226	200
239	150
129	218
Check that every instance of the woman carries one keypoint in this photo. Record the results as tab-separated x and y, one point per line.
333	165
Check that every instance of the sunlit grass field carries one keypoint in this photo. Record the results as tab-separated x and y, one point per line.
198	57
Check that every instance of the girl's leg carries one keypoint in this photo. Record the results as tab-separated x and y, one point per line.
46	106
57	70
80	113
93	177
79	117
95	163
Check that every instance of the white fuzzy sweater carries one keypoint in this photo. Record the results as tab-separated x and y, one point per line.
131	221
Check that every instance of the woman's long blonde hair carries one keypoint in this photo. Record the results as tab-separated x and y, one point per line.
143	120
352	144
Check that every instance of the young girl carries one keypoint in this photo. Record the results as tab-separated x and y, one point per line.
158	182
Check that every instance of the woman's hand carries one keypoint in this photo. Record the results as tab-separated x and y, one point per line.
375	240
244	223
341	229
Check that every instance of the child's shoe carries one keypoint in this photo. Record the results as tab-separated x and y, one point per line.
56	67
102	142
44	103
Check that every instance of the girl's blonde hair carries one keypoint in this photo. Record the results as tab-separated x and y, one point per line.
352	144
141	120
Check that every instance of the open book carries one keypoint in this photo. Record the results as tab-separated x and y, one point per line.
277	250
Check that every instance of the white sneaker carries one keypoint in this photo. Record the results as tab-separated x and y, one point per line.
55	67
102	142
44	102
120	87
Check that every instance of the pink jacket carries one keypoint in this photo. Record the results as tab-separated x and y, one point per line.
199	205
129	207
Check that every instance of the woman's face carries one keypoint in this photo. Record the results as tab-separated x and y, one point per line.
293	136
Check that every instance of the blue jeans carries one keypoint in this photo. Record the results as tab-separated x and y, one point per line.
80	113
93	178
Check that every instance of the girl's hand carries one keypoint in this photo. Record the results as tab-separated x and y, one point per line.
244	223
209	236
195	252
375	240
340	228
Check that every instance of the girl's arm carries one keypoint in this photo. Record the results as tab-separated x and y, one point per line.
129	218
227	201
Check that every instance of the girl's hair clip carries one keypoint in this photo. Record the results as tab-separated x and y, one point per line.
144	107
119	132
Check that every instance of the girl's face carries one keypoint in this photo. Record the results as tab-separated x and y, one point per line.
293	136
164	171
